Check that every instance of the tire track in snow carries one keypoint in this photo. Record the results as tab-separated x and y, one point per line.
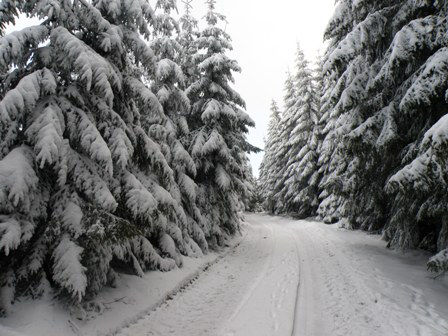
298	288
259	278
351	295
184	285
204	305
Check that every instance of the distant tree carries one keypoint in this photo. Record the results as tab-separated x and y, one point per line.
269	166
296	185
286	126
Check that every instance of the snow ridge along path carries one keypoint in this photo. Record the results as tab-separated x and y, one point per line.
305	278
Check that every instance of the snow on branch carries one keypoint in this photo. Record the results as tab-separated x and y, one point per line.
365	34
84	174
147	100
26	94
429	83
420	34
94	71
46	132
68	270
16	47
139	200
439	262
213	143
18	179
85	132
222	178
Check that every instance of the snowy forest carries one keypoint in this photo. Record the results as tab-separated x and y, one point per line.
362	139
124	144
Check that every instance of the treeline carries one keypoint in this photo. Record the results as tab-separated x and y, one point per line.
364	140
122	143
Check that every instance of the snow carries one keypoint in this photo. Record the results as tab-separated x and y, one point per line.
222	178
285	277
439	262
134	297
94	71
16	45
139	200
23	96
47	131
68	270
10	234
17	178
305	278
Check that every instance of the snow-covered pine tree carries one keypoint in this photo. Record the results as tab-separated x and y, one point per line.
187	39
300	189
185	222
296	186
328	157
388	67
219	125
79	174
354	48
416	119
286	126
269	166
248	196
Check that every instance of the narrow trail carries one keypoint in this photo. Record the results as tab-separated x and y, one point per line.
303	278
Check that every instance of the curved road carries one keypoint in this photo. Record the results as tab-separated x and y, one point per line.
305	279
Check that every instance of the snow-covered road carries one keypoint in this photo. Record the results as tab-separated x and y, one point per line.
304	278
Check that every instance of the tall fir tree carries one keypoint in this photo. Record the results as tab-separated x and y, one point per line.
269	165
220	126
93	167
385	66
287	125
296	170
187	39
172	134
300	195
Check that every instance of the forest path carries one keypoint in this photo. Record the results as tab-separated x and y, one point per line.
303	278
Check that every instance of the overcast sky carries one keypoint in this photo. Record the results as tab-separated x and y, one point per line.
265	34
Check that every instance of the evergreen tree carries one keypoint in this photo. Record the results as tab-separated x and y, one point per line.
301	181
386	67
83	181
219	125
296	185
172	133
414	121
287	125
187	40
249	193
269	165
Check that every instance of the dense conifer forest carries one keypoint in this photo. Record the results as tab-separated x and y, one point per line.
363	140
124	143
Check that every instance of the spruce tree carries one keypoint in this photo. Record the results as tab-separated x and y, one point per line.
296	184
185	221
386	67
269	166
219	125
300	194
415	119
187	39
287	125
82	180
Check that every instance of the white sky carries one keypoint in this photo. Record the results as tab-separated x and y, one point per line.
265	35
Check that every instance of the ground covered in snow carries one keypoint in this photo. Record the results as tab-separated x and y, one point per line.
286	277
